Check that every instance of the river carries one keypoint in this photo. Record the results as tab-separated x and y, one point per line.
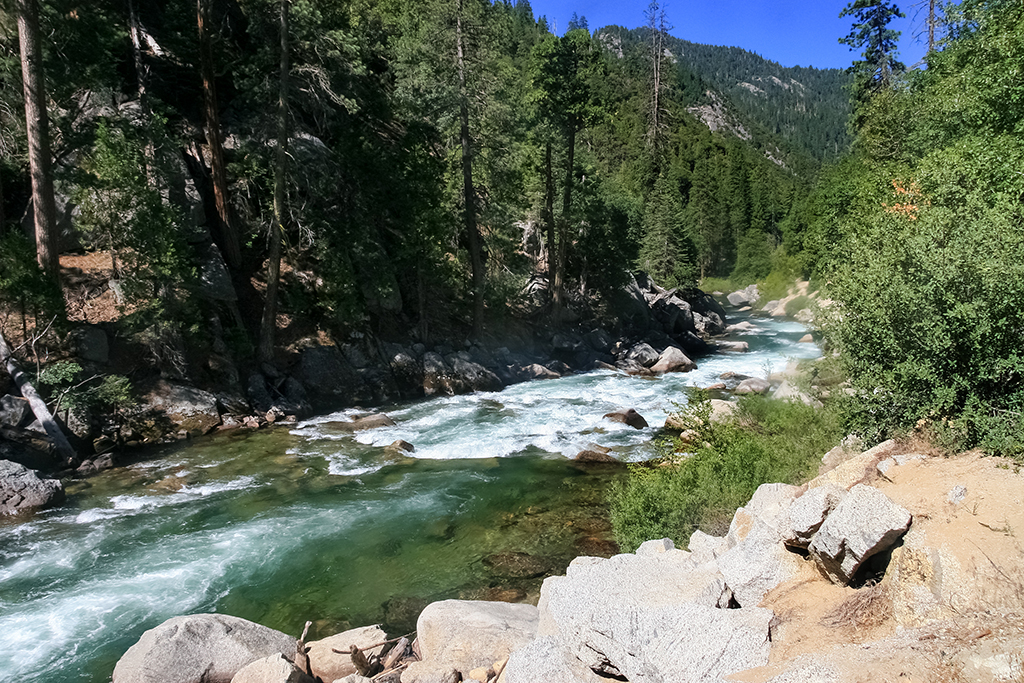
305	523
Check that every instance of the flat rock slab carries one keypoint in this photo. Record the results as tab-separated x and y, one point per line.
199	648
467	634
375	421
864	524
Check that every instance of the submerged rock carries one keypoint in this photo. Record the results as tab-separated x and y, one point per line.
359	424
516	565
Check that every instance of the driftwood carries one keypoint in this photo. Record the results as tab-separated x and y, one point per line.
396	653
38	405
301	650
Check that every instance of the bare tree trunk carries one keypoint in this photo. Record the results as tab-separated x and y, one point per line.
549	217
931	25
421	292
468	192
227	237
38	405
3	223
141	81
37	125
269	323
563	236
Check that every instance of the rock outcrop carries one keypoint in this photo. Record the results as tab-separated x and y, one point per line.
23	490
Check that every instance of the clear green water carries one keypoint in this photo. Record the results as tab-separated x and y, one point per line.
302	524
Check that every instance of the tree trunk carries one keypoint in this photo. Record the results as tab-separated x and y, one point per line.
563	236
468	192
931	25
3	223
37	125
226	238
269	323
141	80
549	218
37	404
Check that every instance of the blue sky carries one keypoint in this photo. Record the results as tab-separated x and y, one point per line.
791	32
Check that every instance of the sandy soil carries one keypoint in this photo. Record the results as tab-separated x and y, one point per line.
965	626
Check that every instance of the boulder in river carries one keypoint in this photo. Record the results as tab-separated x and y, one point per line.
644	354
628	416
475	376
199	648
673	360
538	371
359	424
753	385
21	489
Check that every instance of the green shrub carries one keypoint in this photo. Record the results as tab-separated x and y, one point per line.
766	441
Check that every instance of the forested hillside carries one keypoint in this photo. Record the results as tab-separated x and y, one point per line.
802	109
418	169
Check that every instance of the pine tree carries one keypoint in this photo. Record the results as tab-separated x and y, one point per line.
878	65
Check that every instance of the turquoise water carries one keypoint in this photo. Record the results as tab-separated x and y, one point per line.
306	523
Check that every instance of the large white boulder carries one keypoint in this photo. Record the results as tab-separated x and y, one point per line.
199	648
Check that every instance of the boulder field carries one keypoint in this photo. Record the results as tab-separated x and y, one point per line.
892	564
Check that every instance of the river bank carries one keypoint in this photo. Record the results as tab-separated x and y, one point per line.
303	522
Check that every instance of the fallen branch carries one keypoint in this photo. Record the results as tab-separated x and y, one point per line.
38	405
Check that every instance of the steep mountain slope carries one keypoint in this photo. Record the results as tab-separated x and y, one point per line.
802	110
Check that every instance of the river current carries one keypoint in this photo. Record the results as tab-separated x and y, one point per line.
307	523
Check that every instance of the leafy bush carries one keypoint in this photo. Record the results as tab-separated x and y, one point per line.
928	272
766	441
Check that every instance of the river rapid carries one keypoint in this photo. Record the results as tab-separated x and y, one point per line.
306	523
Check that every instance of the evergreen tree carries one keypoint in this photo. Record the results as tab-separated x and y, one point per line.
878	65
